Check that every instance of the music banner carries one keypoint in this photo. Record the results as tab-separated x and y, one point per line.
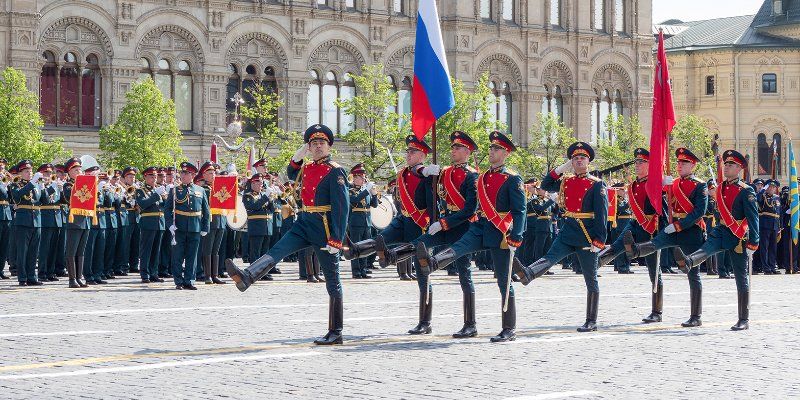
83	200
223	195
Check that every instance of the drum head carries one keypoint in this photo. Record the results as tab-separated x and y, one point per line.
382	215
238	222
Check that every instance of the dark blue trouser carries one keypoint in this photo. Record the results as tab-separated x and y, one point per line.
123	249
95	253
295	240
111	251
258	246
587	260
691	240
472	242
133	248
149	250
540	242
738	261
164	259
357	234
401	231
768	249
61	245
26	245
461	264
184	257
5	237
47	252
639	236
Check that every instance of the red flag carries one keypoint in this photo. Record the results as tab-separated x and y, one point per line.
213	157
83	200
663	121
223	195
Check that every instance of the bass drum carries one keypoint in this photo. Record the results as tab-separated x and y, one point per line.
238	221
383	214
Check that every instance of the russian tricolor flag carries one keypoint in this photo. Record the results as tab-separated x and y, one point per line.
432	93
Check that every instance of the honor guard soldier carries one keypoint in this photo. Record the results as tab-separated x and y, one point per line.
643	226
77	228
769	224
499	229
5	217
187	206
27	193
212	242
363	196
737	233
688	200
322	224
150	201
52	220
585	201
259	205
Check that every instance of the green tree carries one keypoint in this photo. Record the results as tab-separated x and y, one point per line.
21	124
627	136
550	139
692	132
146	132
377	128
260	115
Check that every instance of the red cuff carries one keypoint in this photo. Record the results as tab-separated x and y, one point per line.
443	222
295	165
751	246
600	245
554	175
677	226
514	242
335	243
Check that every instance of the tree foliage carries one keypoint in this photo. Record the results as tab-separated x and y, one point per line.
692	132
260	116
627	136
21	124
145	133
549	140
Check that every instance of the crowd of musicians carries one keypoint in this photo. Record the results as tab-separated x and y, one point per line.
447	217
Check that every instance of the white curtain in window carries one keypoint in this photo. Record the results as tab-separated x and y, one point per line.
183	101
486	9
313	104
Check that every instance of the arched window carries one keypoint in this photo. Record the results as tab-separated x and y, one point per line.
493	101
397	7
330	92
776	148
346	92
555	12
392	107
146	70
603	106
486	9
764	155
508	10
504	106
183	95
404	98
163	78
553	103
314	98
69	90
619	16
600	15
234	80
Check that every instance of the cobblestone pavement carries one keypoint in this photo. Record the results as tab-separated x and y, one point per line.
133	341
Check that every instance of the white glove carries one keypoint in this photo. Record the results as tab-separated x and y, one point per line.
564	168
432	169
750	253
53	185
36	177
667	180
101	185
553	196
170	186
330	249
512	248
172	229
435	228
373	192
300	154
595	249
4	186
369	186
161	191
670	229
203	233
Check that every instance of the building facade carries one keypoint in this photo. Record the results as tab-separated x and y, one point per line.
581	59
742	74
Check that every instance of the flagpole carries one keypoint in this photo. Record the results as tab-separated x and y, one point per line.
435	180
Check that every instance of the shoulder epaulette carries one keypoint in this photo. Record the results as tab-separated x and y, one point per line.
743	185
698	180
470	169
334	164
593	178
512	172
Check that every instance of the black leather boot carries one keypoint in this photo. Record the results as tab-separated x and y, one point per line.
410	269
308	257
592	302
696	299
658	306
470	329
215	271
335	323
531	272
317	273
380	251
207	267
360	249
629	244
256	270
744	311
685	263
509	323
399	254
79	272
401	272
607	256
73	283
428	264
425	313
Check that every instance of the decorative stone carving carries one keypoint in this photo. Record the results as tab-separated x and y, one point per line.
171	38
500	68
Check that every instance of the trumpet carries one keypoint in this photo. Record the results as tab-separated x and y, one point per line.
6	179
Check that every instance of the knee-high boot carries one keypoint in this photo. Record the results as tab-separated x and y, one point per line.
207	269
335	323
531	272
470	329
215	270
245	277
696	300
743	298
73	283
592	304
657	306
509	323
425	314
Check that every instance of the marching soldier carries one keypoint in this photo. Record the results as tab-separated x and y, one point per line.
499	229
5	217
738	232
27	224
688	199
150	201
769	224
363	196
643	226
187	206
585	201
259	205
212	242
50	211
321	224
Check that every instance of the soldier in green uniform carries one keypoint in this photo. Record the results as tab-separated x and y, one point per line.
27	224
50	211
187	205
150	200
211	243
95	246
363	196
5	217
259	205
